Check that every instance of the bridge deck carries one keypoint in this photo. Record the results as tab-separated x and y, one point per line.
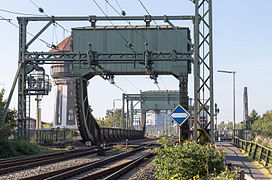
237	159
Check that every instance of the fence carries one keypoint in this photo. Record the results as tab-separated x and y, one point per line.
254	150
244	134
53	135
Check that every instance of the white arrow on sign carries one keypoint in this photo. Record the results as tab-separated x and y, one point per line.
180	115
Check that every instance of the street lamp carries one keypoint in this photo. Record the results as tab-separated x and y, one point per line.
233	73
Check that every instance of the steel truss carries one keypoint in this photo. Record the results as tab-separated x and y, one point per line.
203	60
203	69
101	58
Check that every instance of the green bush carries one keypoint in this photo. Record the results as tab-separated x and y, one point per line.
13	148
187	161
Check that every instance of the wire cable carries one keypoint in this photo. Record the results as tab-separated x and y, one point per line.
157	84
118	5
18	13
163	82
134	27
122	36
118	86
158	26
132	84
64	29
47	44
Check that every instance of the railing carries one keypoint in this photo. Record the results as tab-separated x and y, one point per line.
46	136
254	150
117	134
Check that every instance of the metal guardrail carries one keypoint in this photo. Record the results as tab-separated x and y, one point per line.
256	151
45	136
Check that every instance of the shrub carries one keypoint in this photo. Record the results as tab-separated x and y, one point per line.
187	161
13	148
117	147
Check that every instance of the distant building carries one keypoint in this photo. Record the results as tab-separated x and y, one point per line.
64	116
162	122
32	124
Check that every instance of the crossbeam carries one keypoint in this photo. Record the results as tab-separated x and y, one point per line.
108	18
74	57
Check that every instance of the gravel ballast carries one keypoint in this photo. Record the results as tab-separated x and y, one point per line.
55	166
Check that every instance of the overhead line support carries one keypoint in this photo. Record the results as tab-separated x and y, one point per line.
203	70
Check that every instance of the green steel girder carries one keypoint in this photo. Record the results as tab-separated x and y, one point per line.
203	60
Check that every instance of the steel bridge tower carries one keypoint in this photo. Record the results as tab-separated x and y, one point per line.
203	65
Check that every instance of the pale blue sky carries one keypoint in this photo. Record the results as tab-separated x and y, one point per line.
242	42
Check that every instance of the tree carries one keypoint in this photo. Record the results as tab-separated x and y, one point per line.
112	119
10	122
252	118
263	124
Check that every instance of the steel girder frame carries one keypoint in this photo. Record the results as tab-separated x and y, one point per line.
21	123
203	16
146	99
203	69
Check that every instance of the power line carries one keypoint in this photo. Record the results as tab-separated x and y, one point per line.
130	23
127	43
18	13
118	5
157	84
47	44
41	10
132	84
163	82
118	86
158	26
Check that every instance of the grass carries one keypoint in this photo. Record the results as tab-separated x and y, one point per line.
16	148
117	147
258	164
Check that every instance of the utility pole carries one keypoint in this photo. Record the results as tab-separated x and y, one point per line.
233	77
216	125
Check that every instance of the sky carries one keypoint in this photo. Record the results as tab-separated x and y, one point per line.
242	43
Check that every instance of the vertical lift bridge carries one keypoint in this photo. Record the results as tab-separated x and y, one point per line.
87	60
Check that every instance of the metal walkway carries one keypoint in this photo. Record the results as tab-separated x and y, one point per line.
237	159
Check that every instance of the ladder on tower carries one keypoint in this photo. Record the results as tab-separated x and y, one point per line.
28	123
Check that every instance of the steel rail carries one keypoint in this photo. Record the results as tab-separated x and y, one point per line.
35	157
46	161
128	167
96	164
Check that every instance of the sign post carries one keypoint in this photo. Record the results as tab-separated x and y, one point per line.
180	115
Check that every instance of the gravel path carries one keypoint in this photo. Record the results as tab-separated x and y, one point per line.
55	166
146	172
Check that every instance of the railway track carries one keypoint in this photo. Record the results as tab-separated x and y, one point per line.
16	164
24	167
109	168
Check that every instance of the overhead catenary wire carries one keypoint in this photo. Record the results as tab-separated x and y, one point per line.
119	87
133	84
121	35
144	38
158	26
163	82
41	10
158	86
18	13
43	41
160	30
147	41
136	31
118	5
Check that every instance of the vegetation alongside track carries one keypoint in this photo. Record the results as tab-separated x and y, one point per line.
12	148
189	161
